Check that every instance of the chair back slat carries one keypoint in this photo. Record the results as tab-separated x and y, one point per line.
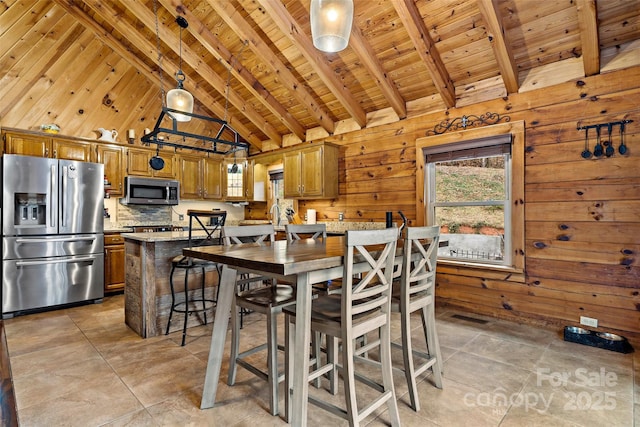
202	220
372	293
419	262
314	231
248	233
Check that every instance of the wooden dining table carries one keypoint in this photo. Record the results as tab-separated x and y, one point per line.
303	262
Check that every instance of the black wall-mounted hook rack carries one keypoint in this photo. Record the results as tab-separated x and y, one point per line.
609	150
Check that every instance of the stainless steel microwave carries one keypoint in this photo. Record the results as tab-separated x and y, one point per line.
150	191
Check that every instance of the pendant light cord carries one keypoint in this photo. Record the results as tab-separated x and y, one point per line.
155	11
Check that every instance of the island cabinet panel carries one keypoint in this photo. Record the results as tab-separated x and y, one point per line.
114	262
147	290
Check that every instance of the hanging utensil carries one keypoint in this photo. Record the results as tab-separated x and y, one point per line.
609	150
157	162
622	149
586	154
597	150
234	167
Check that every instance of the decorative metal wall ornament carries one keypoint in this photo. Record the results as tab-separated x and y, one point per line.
607	149
461	123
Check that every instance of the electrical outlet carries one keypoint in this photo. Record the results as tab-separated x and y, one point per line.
589	321
180	217
340	216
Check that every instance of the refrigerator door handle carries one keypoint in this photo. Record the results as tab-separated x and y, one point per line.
54	239
53	212
63	194
54	261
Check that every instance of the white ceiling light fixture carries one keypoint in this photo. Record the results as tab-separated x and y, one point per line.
179	99
331	24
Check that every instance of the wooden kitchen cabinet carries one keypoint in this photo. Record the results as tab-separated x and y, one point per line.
311	172
238	185
111	157
190	172
200	177
138	163
212	179
41	145
113	262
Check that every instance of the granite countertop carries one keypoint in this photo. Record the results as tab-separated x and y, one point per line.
166	236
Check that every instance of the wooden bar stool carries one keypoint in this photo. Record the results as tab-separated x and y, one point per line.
363	306
195	304
415	291
268	300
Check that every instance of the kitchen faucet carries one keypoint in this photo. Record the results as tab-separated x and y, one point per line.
277	209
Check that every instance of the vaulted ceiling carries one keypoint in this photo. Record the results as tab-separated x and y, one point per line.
85	64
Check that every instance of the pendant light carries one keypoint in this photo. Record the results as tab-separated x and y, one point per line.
179	99
331	24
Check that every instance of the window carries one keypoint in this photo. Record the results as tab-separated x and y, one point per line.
471	184
468	196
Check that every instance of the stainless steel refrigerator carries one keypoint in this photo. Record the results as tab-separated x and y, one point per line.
52	233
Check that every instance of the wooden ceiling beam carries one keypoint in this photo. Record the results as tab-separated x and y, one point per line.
243	29
419	35
146	16
295	33
214	45
73	9
588	24
369	59
500	45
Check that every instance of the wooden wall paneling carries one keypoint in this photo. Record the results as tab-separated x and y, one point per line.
91	92
49	50
60	94
104	113
33	108
582	231
616	275
610	189
620	253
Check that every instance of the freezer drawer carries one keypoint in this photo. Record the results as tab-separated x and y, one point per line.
21	247
43	282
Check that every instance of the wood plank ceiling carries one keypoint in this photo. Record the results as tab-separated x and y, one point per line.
85	64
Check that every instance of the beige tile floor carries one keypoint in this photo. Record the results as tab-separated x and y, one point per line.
83	367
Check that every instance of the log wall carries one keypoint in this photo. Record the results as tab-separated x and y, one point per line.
582	217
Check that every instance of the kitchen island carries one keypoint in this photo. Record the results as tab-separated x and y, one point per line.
147	291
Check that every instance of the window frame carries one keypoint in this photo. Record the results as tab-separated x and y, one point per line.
516	186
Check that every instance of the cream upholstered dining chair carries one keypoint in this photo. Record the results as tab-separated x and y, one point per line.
362	307
268	300
415	291
189	304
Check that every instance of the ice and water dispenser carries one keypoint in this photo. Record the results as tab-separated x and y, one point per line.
30	209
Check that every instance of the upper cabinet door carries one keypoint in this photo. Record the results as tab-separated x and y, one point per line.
71	150
111	157
169	170
212	180
311	174
138	162
292	168
27	145
190	168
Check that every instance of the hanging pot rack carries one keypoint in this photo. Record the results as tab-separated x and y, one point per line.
162	135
